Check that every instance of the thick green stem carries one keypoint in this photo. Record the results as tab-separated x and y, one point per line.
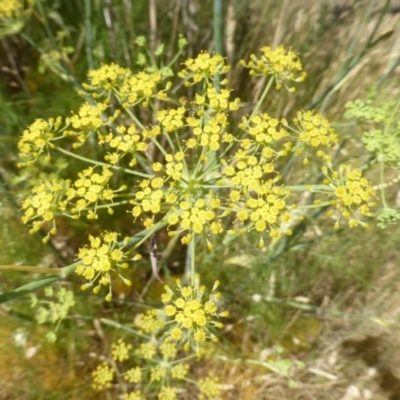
28	268
63	272
218	22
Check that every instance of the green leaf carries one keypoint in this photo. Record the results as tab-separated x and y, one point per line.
30	287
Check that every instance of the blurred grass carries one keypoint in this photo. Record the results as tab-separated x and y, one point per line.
342	59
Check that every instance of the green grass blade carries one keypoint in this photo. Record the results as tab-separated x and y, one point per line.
30	287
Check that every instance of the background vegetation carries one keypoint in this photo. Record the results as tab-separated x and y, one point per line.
329	300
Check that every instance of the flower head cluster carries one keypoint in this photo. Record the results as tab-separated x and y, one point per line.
139	88
314	131
150	322
136	395
162	366
283	65
13	14
120	351
88	117
9	7
217	100
353	194
265	211
129	88
43	204
191	316
204	66
209	388
263	130
210	134
196	214
89	190
37	139
104	257
103	377
122	141
173	119
106	78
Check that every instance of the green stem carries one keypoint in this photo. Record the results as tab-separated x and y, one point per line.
125	328
63	272
250	361
28	268
262	98
382	177
324	204
88	33
90	161
308	188
218	22
149	232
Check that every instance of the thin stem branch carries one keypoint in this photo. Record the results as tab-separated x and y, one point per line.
90	161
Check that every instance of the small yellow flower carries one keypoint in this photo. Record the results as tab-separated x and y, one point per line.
147	350
204	66
283	65
102	377
209	388
352	194
193	313
134	396
167	393
37	139
104	257
120	350
157	373
133	375
180	371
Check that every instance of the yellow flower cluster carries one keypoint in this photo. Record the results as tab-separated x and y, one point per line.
90	189
265	212
217	100
203	67
209	389
14	8
43	204
195	214
102	377
314	131
104	257
149	322
123	141
284	65
9	7
266	131
120	350
37	139
209	134
352	193
162	367
90	118
140	88
167	393
106	78
129	88
133	396
190	316
171	120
